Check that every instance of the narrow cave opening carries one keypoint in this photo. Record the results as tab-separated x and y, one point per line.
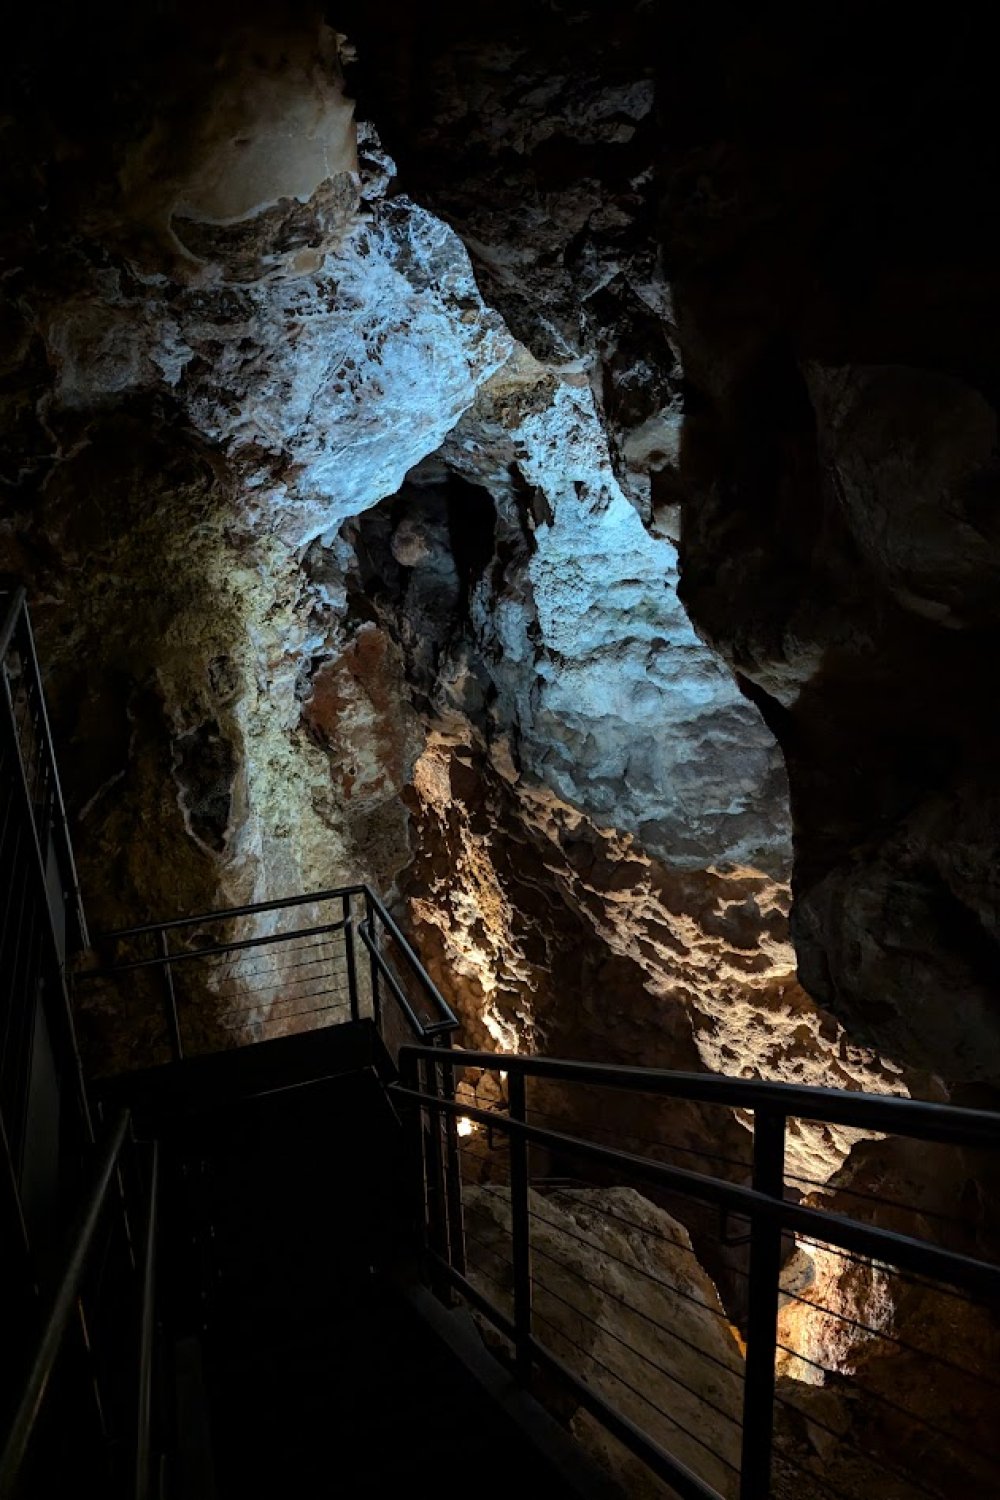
472	525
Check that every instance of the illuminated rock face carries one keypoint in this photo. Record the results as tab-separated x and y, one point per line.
430	539
321	390
610	698
218	404
206	409
611	1269
223	347
799	385
552	934
219	401
314	339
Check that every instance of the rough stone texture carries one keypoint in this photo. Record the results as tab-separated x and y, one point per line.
316	382
721	355
197	421
536	139
266	384
913	1363
516	895
618	1293
798	356
606	693
278	378
611	1269
839	523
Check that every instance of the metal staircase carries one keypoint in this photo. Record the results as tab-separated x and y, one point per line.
261	1278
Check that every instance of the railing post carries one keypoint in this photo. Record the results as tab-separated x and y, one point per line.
147	1334
520	1224
762	1321
170	999
436	1197
453	1166
372	933
36	890
409	1077
352	969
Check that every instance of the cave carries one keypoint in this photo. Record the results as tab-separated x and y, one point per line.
522	488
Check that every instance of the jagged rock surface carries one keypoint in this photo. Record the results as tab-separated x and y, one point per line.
839	541
217	351
610	1269
726	236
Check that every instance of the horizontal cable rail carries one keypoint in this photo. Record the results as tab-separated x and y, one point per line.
596	1278
192	955
851	1234
200	987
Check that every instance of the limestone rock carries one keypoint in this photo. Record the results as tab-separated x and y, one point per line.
612	1271
622	959
625	713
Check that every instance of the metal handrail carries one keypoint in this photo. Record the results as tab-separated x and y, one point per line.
60	1307
850	1234
893	1114
40	828
424	1031
16	602
186	955
763	1203
249	910
449	1020
518	1330
436	1028
147	1336
399	994
18	618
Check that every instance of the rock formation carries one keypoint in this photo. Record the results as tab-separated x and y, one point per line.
612	1271
483	528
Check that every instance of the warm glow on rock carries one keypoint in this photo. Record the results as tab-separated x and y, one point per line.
465	1125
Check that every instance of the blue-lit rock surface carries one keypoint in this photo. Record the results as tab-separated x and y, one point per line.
322	385
607	693
344	558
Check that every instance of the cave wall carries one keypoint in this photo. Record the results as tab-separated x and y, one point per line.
624	299
198	386
482	528
222	355
770	240
836	301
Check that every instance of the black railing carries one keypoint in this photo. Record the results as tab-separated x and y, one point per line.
595	1285
256	972
44	1115
88	1386
32	769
